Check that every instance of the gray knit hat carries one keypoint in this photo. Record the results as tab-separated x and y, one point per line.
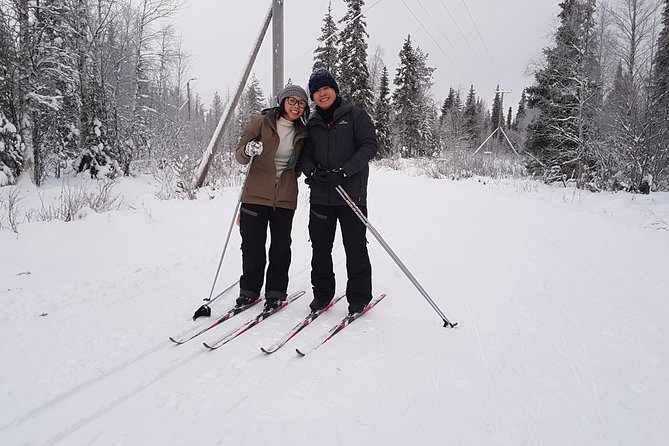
292	90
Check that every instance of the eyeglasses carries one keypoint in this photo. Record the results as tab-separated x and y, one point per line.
299	102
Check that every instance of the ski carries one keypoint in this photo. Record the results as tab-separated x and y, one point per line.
224	317
340	326
296	329
252	322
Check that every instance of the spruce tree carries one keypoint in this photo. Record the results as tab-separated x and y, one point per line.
382	116
452	132
352	71
251	103
497	117
414	112
448	104
325	56
471	121
565	95
406	94
11	158
521	114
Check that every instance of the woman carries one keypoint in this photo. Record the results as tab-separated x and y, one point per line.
272	142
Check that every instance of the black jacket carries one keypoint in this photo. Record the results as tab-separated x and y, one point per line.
349	143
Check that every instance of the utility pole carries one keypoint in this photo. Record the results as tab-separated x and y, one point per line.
499	124
277	47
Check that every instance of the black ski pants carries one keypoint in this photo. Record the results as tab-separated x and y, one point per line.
322	227
253	222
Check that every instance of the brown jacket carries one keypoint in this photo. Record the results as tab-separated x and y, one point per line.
261	185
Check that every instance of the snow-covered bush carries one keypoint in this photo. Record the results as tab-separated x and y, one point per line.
72	202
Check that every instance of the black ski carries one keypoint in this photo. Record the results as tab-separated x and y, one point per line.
299	327
252	322
339	327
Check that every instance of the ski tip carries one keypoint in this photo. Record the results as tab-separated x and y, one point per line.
299	352
175	341
265	351
208	346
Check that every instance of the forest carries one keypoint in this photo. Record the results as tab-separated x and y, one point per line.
102	88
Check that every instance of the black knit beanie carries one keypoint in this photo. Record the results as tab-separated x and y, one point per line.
321	78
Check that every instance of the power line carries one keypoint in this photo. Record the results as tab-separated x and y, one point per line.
434	40
467	41
443	34
480	37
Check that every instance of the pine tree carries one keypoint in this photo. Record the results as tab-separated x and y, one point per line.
565	94
508	119
11	158
325	55
471	121
413	108
448	104
250	104
452	132
97	156
521	114
497	116
405	98
352	71
382	116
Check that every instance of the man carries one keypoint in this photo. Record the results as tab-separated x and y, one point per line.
341	142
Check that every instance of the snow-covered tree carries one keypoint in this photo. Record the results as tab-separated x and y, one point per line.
10	153
497	114
627	104
519	123
376	67
414	114
11	158
452	131
659	106
566	95
325	55
251	103
472	121
352	71
382	116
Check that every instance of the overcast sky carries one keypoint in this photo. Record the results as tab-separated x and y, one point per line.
492	43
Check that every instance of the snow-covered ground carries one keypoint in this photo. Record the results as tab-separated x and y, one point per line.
562	300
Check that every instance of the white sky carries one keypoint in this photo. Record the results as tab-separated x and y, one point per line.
219	35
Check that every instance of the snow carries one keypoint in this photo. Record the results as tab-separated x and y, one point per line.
560	296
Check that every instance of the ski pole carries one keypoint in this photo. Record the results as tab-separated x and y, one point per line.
204	309
394	256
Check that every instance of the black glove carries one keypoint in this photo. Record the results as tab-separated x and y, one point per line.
337	177
321	177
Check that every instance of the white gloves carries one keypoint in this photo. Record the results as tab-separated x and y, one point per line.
253	148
